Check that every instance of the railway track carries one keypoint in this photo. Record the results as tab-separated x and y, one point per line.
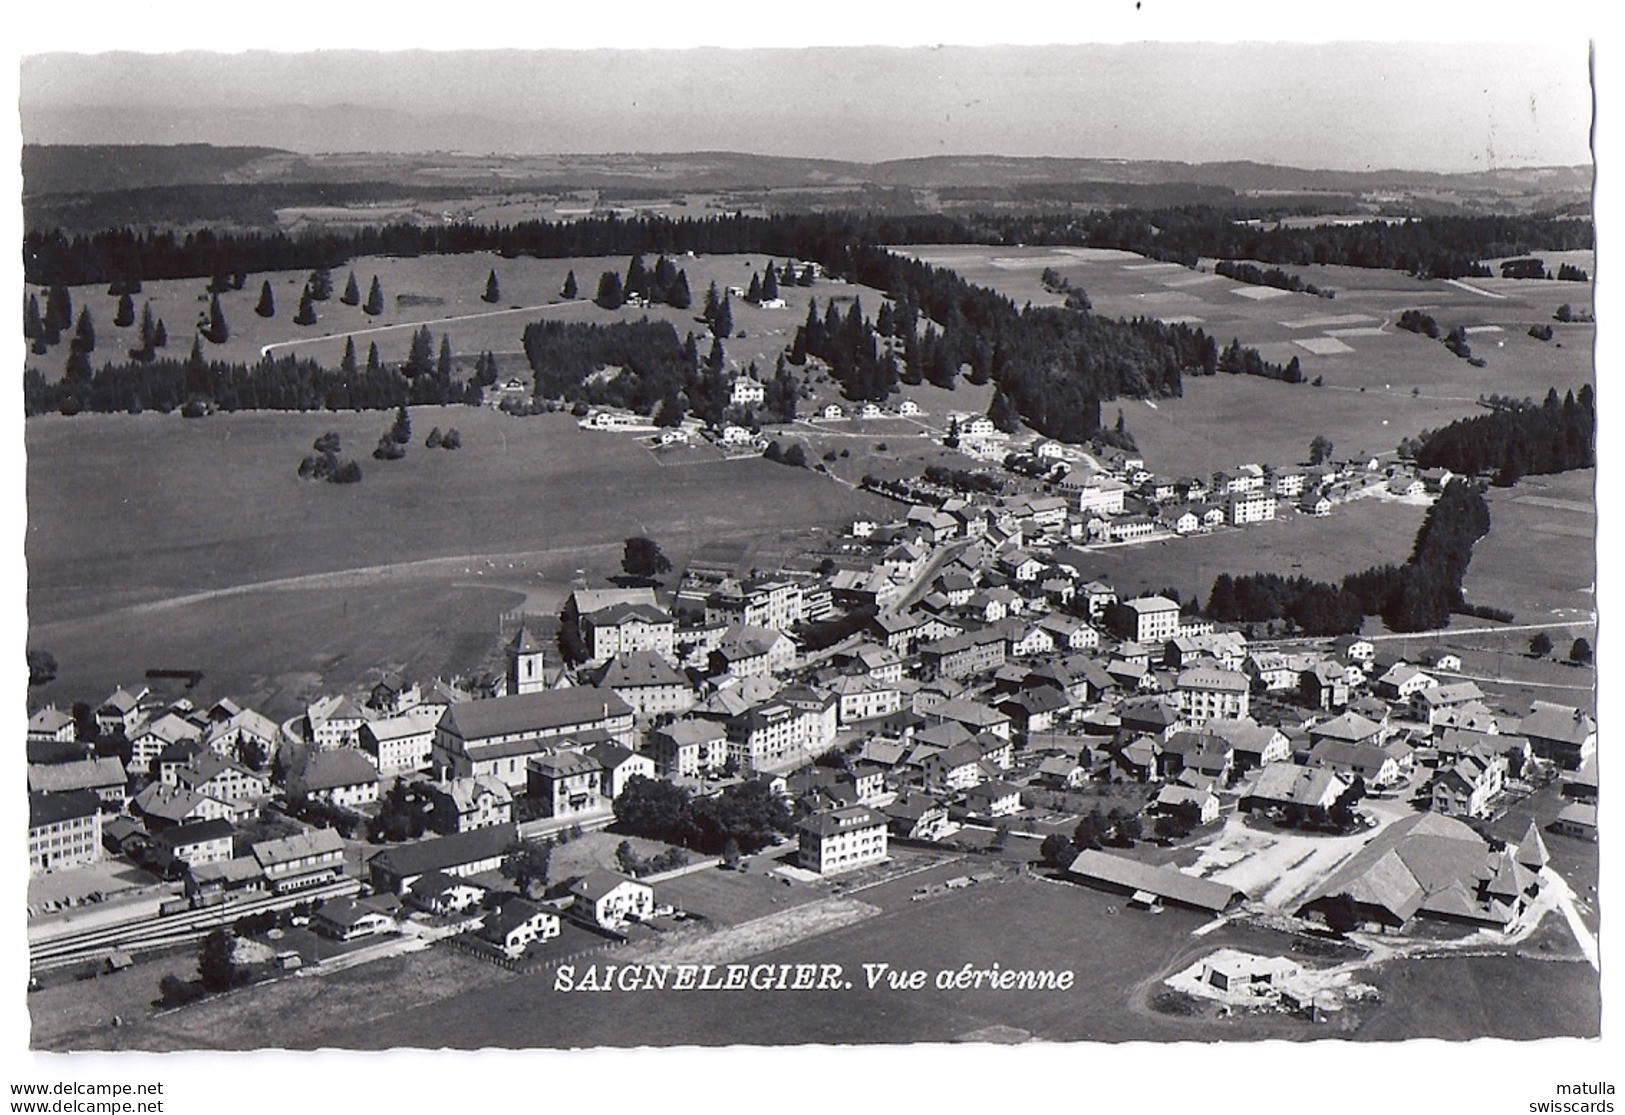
165	930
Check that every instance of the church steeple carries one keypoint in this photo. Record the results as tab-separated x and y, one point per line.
525	659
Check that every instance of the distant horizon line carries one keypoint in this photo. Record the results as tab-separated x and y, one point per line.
1123	159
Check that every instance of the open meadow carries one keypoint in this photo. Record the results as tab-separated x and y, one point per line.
1379	383
225	560
1356	535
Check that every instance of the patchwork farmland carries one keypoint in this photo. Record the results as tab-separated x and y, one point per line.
1379	383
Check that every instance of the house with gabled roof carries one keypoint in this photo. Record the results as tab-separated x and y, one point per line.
344	778
51	725
333	722
620	765
608	899
160	806
465	804
444	894
647	682
995	798
402	741
567	784
1367	761
516	925
120	712
105	777
350	919
1468	786
1561	734
1401	682
1280	785
916	817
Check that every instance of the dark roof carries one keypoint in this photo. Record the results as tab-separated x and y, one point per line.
641	667
441	852
327	770
52	809
533	712
195	832
841	820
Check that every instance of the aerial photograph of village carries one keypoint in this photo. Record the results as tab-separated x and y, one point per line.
836	546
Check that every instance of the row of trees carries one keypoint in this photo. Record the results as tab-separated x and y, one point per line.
1417	596
1535	269
279	383
1243	272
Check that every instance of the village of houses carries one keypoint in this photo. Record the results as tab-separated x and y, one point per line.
988	692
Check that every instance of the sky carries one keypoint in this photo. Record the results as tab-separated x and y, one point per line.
1343	105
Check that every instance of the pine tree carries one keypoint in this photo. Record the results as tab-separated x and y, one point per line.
160	335
610	296
402	430
84	334
716	357
678	295
713	303
58	312
352	292
149	331
770	284
375	299
443	364
347	365
217	332
267	302
125	317
493	292
33	322
754	294
637	278
724	324
320	285
571	291
307	308
374	364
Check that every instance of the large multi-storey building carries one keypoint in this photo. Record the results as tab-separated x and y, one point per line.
1147	619
841	839
64	830
497	736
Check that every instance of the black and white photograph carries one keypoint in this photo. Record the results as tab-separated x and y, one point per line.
667	543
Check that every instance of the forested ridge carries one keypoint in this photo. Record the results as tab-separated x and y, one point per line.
1442	247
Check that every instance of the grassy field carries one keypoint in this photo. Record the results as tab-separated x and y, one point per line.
225	560
455	283
1369	368
1539	560
1354	536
